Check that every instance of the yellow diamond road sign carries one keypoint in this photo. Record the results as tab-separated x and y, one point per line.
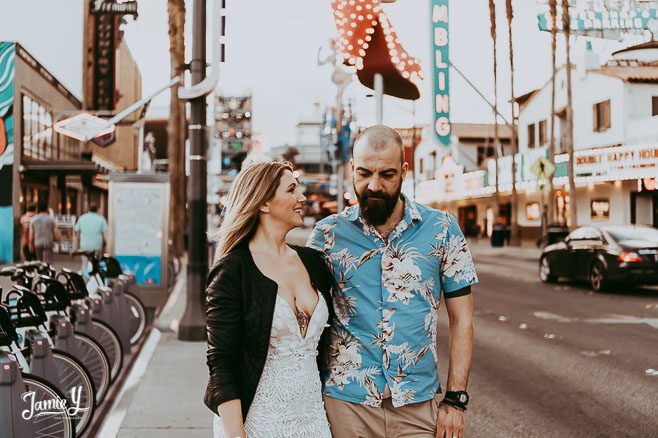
543	168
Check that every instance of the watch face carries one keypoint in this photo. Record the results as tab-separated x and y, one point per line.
463	398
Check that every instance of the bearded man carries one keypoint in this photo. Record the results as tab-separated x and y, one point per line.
392	260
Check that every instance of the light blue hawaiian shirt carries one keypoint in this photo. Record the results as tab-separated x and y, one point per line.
388	302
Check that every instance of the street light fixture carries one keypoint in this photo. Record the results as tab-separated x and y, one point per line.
86	126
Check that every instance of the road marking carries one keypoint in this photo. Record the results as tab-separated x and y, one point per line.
610	319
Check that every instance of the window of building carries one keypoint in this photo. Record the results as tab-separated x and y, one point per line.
602	116
484	152
431	165
542	133
654	105
531	135
420	166
37	130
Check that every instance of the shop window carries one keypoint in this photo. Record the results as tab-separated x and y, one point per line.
654	105
601	114
531	136
542	133
37	130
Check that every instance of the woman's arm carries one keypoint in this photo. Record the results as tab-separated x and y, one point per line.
231	413
224	328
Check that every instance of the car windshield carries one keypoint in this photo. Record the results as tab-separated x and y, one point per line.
633	233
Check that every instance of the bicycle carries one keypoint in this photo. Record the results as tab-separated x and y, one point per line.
107	271
18	386
66	372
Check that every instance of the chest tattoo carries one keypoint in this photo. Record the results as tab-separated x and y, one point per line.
302	321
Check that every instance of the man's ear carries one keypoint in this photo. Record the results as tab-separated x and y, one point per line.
405	169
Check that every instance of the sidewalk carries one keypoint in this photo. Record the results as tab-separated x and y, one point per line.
526	252
163	395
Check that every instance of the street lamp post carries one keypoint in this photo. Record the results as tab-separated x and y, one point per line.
192	324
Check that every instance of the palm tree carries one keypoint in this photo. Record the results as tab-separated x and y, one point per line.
492	18
515	238
573	211
552	4
176	128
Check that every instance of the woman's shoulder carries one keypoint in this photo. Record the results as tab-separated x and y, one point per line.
229	264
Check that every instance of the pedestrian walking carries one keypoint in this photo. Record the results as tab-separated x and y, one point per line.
91	233
28	255
43	233
392	260
268	304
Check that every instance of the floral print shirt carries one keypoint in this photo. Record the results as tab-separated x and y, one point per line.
388	301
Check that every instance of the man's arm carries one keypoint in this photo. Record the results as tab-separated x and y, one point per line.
460	317
460	344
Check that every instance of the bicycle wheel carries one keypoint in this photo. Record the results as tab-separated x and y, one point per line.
109	340
58	425
91	354
77	386
137	318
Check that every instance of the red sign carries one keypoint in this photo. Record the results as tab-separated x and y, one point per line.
411	138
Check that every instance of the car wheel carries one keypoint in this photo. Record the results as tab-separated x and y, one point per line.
597	277
545	273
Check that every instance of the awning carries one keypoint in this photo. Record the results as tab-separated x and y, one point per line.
55	167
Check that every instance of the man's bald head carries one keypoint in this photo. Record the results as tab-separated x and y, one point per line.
379	138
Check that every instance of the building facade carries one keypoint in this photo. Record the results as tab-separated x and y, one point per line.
615	120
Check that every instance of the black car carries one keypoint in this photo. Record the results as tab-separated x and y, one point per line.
604	256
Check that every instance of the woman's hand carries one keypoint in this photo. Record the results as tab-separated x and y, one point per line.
231	414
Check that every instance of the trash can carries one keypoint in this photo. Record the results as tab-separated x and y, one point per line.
556	233
498	235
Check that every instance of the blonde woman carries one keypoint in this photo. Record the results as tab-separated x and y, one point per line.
268	308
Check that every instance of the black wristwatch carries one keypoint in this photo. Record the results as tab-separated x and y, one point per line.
456	399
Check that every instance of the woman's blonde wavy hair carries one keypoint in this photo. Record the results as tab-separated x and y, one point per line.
254	186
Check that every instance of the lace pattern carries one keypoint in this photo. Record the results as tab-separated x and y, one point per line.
288	401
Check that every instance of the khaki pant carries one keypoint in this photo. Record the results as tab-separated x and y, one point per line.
352	420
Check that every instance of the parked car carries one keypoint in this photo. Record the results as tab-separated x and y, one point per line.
604	256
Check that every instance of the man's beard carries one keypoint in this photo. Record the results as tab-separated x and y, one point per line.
377	207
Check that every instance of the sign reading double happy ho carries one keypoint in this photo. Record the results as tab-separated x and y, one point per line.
441	70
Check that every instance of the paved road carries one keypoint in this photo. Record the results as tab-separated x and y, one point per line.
556	360
559	360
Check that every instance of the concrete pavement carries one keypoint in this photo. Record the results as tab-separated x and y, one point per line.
163	395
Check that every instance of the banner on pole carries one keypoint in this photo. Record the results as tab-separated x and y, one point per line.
440	70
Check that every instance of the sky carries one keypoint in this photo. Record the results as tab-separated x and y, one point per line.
272	48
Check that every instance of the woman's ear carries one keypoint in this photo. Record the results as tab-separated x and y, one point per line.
264	208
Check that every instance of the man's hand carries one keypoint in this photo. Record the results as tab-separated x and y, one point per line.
451	422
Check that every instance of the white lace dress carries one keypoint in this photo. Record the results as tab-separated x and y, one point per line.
288	401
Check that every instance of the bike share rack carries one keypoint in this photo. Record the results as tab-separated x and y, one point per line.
70	311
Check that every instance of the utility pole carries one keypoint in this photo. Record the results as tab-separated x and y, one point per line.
515	238
573	210
192	326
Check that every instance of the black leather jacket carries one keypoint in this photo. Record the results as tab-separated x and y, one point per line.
240	308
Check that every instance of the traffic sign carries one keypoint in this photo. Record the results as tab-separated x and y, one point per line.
543	168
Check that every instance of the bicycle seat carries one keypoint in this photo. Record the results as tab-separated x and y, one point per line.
90	254
9	271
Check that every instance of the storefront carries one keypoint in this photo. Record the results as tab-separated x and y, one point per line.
36	163
614	186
